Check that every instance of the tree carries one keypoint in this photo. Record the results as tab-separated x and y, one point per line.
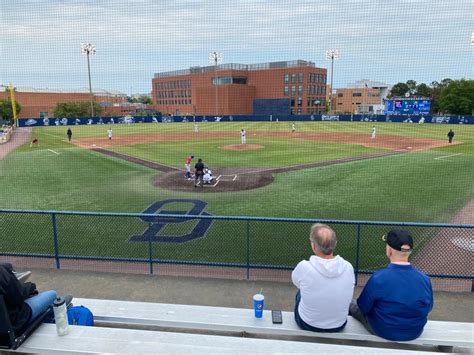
6	110
142	99
398	90
423	90
457	97
76	109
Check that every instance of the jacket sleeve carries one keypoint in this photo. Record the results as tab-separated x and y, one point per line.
297	274
368	296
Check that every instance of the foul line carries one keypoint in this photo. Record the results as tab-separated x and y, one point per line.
447	156
52	151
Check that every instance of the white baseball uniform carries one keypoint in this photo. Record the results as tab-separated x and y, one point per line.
242	136
374	132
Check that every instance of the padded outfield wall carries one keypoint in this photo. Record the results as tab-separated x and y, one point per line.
34	122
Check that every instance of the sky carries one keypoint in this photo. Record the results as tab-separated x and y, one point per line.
383	40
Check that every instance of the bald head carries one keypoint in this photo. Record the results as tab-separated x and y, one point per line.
323	238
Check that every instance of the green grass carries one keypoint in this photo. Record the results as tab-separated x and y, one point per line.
408	187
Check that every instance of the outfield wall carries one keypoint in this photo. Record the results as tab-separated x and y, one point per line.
33	122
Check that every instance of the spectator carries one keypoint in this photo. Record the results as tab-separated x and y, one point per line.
326	284
395	302
22	300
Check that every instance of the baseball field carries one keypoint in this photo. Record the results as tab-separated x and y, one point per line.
324	170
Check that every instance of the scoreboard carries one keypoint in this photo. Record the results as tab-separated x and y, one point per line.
407	107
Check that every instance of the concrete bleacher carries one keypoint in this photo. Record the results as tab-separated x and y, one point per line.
97	340
125	325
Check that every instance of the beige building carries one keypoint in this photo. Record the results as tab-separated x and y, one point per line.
364	96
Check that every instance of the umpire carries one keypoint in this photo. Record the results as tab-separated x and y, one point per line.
198	172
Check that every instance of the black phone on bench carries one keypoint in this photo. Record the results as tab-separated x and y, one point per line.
277	317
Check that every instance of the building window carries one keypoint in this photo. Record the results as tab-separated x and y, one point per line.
300	101
356	94
340	95
292	103
299	111
285	91
293	90
300	77
293	78
300	89
287	78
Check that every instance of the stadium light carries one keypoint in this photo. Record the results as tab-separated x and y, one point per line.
89	49
332	55
215	58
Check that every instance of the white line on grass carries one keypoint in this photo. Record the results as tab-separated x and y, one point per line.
235	177
447	156
52	151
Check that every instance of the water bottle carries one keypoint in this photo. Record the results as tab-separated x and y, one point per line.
60	316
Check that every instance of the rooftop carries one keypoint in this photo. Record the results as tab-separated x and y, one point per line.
236	66
97	92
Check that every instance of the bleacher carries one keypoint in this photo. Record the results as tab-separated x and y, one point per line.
140	327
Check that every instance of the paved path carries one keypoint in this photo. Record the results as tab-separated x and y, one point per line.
20	136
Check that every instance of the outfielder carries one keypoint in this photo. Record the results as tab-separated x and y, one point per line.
374	132
109	133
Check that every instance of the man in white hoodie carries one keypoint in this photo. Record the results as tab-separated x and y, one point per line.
325	283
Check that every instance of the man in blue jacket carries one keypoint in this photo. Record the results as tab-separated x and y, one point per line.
395	302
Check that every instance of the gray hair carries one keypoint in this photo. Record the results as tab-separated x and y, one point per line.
323	237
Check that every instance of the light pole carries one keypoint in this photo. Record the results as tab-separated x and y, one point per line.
331	54
89	49
216	57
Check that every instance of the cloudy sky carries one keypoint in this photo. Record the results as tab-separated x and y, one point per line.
384	40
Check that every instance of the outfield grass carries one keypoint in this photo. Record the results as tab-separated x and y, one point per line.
409	187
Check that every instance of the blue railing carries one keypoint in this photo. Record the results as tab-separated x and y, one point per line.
443	251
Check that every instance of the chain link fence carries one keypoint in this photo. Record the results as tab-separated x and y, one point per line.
222	247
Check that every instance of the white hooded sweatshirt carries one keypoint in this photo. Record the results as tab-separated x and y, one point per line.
326	287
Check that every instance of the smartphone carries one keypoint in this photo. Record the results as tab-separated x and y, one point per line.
277	317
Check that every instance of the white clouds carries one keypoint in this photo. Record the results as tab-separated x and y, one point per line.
146	36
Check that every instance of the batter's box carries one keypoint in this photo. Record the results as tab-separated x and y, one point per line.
226	178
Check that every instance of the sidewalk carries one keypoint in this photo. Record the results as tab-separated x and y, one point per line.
449	306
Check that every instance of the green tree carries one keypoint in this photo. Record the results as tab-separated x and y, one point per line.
398	90
76	109
457	97
142	99
6	111
436	89
423	90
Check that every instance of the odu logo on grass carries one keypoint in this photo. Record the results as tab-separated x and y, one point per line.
158	224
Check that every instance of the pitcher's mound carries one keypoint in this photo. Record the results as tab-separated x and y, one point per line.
242	147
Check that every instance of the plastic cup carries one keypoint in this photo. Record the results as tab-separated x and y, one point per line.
258	303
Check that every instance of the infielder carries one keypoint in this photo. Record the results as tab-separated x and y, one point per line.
293	127
374	132
242	136
109	133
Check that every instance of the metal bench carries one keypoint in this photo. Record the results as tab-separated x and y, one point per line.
215	320
98	340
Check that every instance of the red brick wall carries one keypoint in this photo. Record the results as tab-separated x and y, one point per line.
32	103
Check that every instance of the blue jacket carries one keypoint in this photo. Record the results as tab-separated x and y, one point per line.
396	301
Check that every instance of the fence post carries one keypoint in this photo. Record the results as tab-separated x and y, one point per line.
248	249
55	240
357	255
150	249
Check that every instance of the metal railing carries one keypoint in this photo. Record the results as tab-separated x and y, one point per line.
222	246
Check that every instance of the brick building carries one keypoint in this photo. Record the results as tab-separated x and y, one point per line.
42	102
296	87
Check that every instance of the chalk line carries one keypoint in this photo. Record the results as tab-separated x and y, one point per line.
52	151
447	156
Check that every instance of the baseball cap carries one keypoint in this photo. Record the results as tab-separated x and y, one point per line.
397	238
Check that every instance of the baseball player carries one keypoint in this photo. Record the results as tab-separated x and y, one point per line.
187	166
196	128
293	127
242	136
109	133
374	132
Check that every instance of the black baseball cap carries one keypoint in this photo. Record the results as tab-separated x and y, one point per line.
397	238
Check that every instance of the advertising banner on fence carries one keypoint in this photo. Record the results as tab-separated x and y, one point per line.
57	121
